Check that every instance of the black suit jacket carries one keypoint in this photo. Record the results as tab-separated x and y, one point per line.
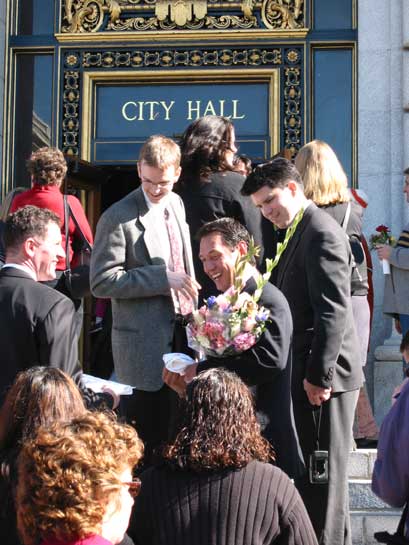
266	369
36	328
314	275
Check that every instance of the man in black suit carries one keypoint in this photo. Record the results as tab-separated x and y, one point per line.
314	275
266	367
37	323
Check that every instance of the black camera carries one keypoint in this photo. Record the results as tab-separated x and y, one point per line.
319	467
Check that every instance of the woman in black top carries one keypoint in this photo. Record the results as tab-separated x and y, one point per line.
210	188
216	484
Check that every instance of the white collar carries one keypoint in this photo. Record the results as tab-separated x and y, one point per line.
157	205
23	268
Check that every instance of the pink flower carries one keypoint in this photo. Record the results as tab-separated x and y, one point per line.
222	302
248	324
244	341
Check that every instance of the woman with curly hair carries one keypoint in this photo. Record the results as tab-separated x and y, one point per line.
209	187
75	482
217	483
48	168
39	396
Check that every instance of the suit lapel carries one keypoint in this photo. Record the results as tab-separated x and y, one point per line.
288	253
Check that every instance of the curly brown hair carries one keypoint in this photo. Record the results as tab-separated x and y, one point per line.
47	166
68	474
218	426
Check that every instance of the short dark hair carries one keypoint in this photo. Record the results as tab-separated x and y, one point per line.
406	171
231	231
275	173
404	345
27	222
218	427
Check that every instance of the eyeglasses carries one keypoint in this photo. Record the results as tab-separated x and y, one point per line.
161	185
134	486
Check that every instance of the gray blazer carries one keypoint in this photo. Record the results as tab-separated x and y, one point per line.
396	292
128	266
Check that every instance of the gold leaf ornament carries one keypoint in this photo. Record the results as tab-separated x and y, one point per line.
180	11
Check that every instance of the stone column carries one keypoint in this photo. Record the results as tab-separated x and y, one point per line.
387	374
383	144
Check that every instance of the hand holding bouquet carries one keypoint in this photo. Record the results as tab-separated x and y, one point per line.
382	237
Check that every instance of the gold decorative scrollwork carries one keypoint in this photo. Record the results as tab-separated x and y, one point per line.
283	14
88	15
180	11
82	16
289	59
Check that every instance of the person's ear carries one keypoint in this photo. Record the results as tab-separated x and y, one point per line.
242	247
293	187
178	172
29	247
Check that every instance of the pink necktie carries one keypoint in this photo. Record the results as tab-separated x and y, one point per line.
185	303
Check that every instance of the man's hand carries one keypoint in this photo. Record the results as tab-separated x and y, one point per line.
384	251
316	395
190	373
174	381
183	283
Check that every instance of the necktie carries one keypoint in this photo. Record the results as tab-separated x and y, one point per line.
176	252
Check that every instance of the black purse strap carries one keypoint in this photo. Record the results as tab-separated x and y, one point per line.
77	225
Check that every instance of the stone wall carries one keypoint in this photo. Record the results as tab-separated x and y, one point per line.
382	141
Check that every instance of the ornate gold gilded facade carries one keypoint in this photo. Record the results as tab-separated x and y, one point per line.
85	16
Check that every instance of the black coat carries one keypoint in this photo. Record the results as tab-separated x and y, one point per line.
219	197
266	369
36	328
314	275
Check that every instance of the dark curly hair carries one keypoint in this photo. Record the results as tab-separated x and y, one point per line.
47	166
218	426
68	474
204	145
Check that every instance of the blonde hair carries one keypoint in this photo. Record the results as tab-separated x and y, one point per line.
325	181
67	475
7	201
160	152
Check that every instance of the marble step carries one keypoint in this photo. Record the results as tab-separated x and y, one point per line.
369	514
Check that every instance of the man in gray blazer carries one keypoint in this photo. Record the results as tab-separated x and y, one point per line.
142	260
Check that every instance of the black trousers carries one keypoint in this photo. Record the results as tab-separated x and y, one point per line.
154	414
328	504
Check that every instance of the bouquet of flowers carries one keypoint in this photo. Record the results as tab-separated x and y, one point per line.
233	321
382	236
